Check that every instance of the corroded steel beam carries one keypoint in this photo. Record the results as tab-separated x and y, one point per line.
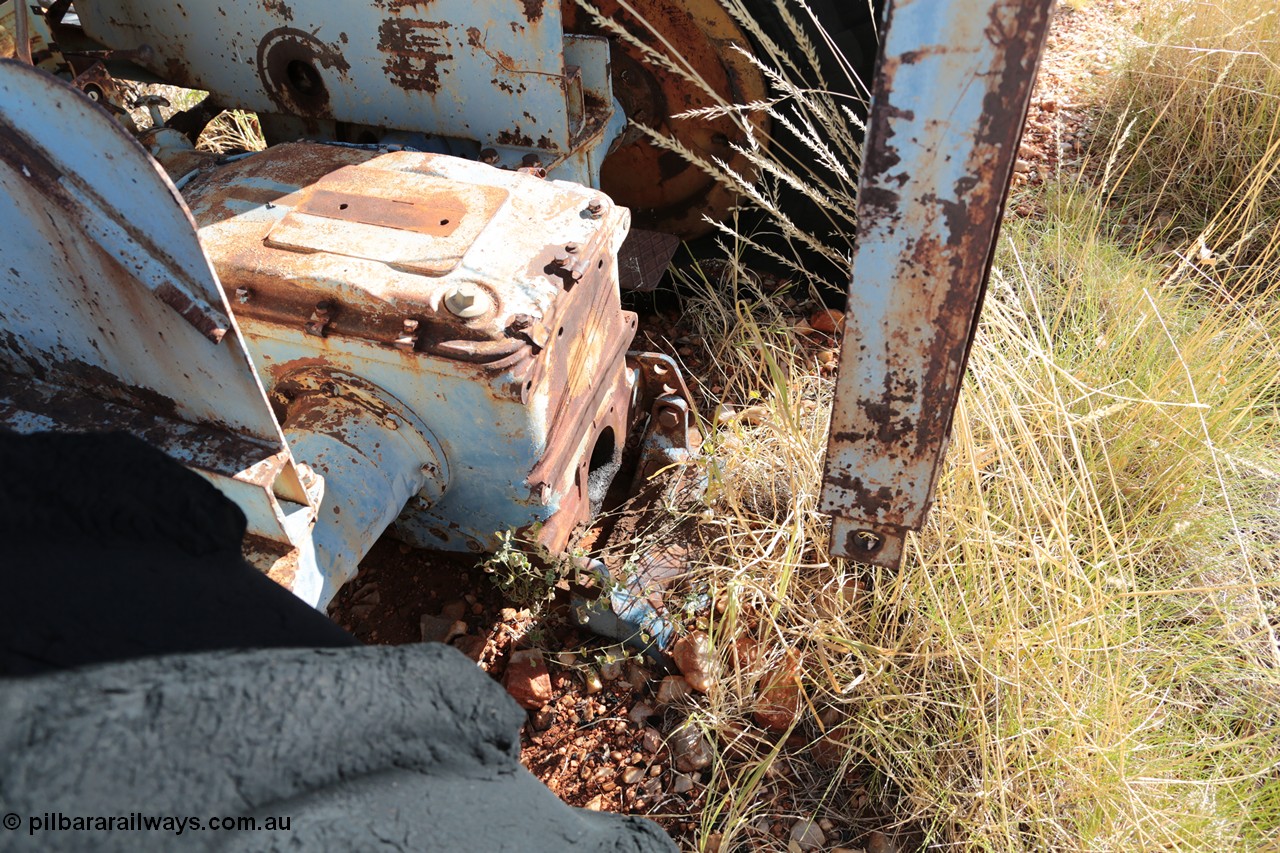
948	104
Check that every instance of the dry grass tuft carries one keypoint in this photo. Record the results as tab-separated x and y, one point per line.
1198	105
1080	652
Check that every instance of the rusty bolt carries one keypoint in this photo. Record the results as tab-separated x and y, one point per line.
595	208
530	161
562	261
520	322
466	302
409	335
488	156
390	422
243	295
320	317
571	248
669	418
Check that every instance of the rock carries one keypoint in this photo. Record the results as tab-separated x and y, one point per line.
471	646
827	752
591	680
544	718
655	770
672	688
596	803
682	783
528	680
650	739
638	676
437	630
566	658
691	749
808	835
454	610
780	696
640	712
826	356
827	321
694	657
754	415
746	654
878	842
632	775
611	670
713	843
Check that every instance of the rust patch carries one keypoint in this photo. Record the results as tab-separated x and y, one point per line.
515	138
436	216
279	8
414	53
532	10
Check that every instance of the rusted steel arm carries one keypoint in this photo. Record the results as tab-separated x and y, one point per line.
949	101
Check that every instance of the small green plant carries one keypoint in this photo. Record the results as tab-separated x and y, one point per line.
525	573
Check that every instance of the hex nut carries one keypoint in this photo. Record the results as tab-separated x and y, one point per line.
466	302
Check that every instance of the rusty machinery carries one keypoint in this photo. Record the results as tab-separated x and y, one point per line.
409	317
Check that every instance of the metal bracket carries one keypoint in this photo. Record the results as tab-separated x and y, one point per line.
949	100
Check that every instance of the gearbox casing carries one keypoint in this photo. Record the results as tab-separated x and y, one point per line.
475	307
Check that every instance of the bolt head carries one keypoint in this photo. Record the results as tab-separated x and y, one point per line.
466	302
669	418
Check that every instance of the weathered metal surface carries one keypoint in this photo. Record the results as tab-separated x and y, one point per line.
663	190
949	100
108	324
499	76
644	258
502	334
373	455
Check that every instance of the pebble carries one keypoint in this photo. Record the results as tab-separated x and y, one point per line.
826	356
471	646
611	670
827	321
780	696
693	656
651	740
682	783
632	775
655	770
591	679
566	658
438	630
640	712
808	835
878	842
638	676
672	688
527	679
596	803
544	718
754	415
454	610
691	749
